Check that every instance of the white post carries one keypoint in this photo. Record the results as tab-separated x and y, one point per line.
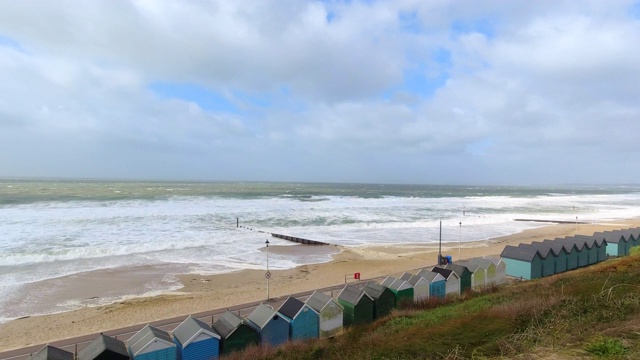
268	274
460	241
576	225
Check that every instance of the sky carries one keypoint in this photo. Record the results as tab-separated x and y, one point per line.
404	91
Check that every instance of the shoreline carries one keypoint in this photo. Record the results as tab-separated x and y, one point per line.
206	292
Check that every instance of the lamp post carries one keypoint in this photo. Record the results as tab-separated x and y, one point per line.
440	245
576	225
460	241
267	274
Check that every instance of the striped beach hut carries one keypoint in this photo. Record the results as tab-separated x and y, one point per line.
52	353
522	262
559	254
420	286
437	283
402	290
151	343
357	305
384	300
547	261
477	274
104	348
463	273
304	322
235	334
489	268
196	340
452	281
272	327
501	268
330	313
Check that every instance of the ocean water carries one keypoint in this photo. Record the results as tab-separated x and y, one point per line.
56	230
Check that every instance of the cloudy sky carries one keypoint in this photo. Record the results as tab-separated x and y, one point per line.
405	91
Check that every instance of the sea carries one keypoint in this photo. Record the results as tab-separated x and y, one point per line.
52	231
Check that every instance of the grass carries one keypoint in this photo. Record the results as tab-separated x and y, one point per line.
587	313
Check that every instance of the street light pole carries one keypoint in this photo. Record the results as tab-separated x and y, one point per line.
440	245
576	225
460	241
268	274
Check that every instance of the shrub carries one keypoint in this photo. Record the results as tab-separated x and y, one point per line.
606	347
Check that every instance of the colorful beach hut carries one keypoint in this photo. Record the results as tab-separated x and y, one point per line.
402	290
452	281
601	245
477	274
592	249
437	283
559	254
330	313
522	262
501	268
304	322
616	242
272	327
384	300
234	333
357	305
489	268
547	258
104	348
52	353
572	252
581	250
463	273
196	340
420	286
633	238
151	343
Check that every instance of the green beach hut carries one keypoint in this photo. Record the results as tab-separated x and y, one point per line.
478	275
384	300
590	243
463	273
501	268
601	247
104	348
403	291
234	332
582	250
489	268
522	262
357	306
558	254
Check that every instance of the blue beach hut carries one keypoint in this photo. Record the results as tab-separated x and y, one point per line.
452	281
196	340
572	252
581	249
522	262
151	343
437	283
547	258
616	242
304	322
271	325
592	248
558	254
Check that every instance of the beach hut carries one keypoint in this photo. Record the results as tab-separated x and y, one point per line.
437	283
330	313
572	252
522	262
559	254
477	274
196	340
235	334
590	243
384	300
452	281
151	343
616	242
463	273
501	268
52	353
304	322
634	237
402	290
104	348
489	270
547	258
357	305
271	325
582	250
420	286
601	246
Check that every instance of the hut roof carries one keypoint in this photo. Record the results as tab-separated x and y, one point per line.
558	246
458	269
374	290
101	344
612	237
553	247
388	281
318	301
400	284
415	279
190	328
446	273
261	315
148	334
543	250
520	253
496	259
291	307
589	241
471	266
406	276
227	323
483	263
52	353
352	294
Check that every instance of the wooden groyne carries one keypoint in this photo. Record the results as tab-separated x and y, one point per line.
298	240
553	221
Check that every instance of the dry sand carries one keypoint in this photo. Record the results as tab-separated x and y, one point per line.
202	293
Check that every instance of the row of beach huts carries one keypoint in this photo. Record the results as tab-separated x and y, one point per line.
549	257
322	316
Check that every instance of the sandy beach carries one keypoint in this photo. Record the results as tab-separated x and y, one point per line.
201	293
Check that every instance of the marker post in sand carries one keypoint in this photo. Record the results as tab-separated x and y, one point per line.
460	241
267	275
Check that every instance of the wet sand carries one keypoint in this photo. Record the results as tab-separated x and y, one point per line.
201	293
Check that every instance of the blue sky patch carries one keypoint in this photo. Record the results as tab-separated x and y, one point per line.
205	98
634	10
9	42
410	22
482	26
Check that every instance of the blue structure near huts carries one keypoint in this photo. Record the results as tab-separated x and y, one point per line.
151	343
104	348
196	340
272	327
52	353
437	283
357	305
330	313
384	300
234	333
304	322
452	281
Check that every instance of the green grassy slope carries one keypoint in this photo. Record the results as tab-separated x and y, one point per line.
587	313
